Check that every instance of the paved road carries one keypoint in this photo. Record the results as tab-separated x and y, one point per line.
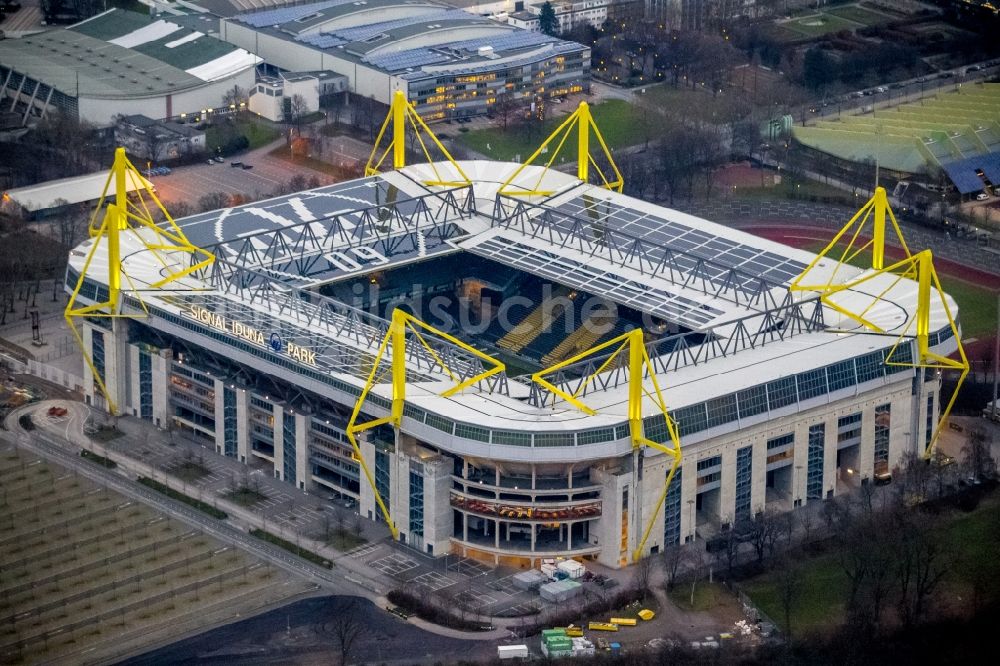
43	444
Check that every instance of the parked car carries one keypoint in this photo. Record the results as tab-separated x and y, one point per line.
247	166
982	196
210	161
220	159
235	164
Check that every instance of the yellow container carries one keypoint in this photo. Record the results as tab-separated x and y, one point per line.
603	626
647	614
574	632
623	621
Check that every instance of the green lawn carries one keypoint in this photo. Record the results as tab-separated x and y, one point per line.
858	15
620	124
258	132
820	604
245	496
718	109
818	24
707	596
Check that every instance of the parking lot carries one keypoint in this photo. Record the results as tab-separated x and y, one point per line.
189	183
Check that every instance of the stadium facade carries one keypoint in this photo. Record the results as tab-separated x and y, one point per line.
448	62
268	353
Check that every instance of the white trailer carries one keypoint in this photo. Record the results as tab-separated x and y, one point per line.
512	652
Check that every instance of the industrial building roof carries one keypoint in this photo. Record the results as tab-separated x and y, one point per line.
65	191
403	36
123	54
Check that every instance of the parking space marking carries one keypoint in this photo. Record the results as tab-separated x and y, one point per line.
394	565
361	551
475	599
469	568
433	580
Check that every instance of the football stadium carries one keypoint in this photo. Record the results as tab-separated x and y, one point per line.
511	362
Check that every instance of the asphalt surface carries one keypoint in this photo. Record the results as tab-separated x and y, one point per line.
305	632
190	183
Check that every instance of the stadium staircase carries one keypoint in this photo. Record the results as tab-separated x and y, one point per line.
583	338
537	321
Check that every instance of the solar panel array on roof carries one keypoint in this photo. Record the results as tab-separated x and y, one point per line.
517	39
565	270
404	59
286	14
321	41
963	172
561	47
723	253
363	32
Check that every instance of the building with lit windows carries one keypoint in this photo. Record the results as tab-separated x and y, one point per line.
449	62
271	352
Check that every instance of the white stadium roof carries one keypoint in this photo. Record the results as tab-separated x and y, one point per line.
751	341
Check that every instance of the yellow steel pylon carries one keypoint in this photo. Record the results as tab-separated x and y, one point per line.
583	121
639	365
919	267
876	210
122	216
403	322
401	111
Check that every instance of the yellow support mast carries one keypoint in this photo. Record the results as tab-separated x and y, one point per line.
582	121
401	113
876	210
128	216
639	365
918	267
402	324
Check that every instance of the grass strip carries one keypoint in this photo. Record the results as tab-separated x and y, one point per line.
99	460
292	548
181	497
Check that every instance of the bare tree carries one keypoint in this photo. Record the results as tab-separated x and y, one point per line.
297	109
789	584
764	531
642	572
346	629
979	463
920	567
235	97
213	201
505	108
674	556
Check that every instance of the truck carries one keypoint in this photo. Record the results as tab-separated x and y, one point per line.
512	652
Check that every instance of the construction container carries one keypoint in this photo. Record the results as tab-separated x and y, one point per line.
574	632
512	652
647	614
549	633
616	649
530	580
602	626
572	568
560	591
582	647
623	621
